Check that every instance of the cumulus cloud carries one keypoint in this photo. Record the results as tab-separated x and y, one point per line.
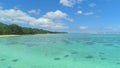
57	14
69	19
83	27
15	16
46	22
88	13
16	7
49	20
70	3
1	7
84	13
92	5
52	20
79	12
112	28
33	11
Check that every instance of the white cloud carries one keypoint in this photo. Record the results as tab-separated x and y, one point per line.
88	13
79	1
15	16
117	28
79	12
85	13
55	15
1	7
18	16
33	11
45	22
69	19
59	26
83	27
16	7
52	20
92	5
70	3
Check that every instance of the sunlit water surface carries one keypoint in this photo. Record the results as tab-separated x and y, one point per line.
60	51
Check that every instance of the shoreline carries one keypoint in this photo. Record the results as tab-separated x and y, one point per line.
8	35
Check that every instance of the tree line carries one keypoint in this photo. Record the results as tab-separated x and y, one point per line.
18	30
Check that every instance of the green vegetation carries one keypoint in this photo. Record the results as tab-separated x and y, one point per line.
18	30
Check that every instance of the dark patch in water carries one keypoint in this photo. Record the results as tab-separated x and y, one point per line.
74	52
9	67
57	58
102	42
2	59
103	58
101	53
89	43
118	63
89	57
109	44
12	43
78	41
67	42
29	45
14	60
66	56
116	46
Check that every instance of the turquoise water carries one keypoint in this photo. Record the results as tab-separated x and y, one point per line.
60	51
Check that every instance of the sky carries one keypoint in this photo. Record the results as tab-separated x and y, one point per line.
74	16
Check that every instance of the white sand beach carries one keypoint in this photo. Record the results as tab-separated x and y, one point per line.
8	35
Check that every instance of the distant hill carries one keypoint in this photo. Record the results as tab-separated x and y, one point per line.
2	24
18	30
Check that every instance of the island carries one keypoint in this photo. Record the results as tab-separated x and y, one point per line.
14	29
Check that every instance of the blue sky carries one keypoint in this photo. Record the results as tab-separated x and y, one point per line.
63	15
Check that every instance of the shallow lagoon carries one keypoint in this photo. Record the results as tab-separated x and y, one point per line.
60	51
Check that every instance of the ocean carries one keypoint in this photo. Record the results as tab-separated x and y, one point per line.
60	51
